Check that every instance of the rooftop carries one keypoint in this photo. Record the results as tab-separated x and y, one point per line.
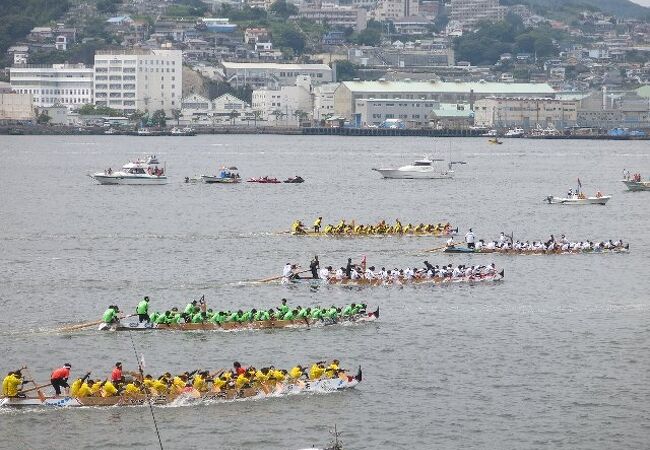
273	66
481	87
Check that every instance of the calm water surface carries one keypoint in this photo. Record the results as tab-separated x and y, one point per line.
556	356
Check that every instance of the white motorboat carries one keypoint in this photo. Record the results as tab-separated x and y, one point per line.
229	176
491	133
515	132
144	132
187	131
146	171
421	169
578	199
637	185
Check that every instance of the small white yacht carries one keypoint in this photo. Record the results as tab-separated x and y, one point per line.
421	169
515	132
141	171
187	131
578	198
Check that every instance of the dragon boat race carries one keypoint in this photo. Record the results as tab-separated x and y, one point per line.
152	300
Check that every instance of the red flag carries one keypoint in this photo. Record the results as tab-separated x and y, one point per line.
363	263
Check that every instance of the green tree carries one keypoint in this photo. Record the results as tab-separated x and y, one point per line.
176	114
107	6
92	110
286	36
43	118
346	71
159	118
281	8
369	36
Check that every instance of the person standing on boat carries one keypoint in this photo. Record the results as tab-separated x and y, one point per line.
317	223
116	374
142	310
314	265
470	238
348	268
59	378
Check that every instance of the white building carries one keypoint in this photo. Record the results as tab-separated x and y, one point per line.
144	80
396	9
196	109
66	84
336	16
348	92
469	12
273	75
525	112
285	105
324	100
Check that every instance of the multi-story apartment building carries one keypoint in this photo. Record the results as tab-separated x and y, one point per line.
283	106
469	12
525	112
396	9
337	16
324	100
145	80
66	84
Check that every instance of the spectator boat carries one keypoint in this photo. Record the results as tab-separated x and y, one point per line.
421	169
140	172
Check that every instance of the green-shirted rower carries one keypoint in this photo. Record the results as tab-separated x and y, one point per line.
110	315
142	310
283	308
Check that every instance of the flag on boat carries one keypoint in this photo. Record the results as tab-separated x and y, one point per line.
579	183
142	361
363	263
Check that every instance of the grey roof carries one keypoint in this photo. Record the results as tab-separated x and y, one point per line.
480	87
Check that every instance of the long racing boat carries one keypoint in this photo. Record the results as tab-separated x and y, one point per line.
134	324
348	234
399	281
191	396
513	251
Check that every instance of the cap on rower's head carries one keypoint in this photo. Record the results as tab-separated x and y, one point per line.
118	364
146	298
68	365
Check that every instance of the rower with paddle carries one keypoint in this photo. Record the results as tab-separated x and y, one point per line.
289	272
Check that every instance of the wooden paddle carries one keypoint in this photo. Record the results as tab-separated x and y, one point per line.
88	324
266	280
431	250
37	388
24	391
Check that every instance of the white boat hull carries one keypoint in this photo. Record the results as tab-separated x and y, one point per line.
551	200
117	178
414	175
636	186
223	180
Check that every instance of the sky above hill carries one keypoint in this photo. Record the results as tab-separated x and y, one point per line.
642	2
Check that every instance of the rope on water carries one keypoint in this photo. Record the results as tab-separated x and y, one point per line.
146	393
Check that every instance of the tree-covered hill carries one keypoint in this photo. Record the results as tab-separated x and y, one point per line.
18	17
559	9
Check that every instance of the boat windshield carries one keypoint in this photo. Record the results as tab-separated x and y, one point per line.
422	163
137	170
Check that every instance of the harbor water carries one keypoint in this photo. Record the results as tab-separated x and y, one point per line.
555	356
